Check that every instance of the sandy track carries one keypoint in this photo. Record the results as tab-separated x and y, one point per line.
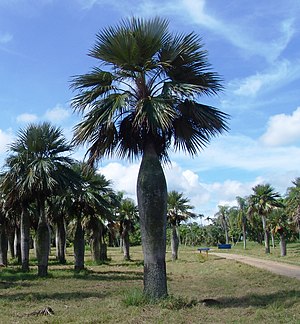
283	269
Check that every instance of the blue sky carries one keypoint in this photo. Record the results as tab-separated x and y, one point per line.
254	45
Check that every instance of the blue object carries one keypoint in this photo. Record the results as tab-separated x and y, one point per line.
224	246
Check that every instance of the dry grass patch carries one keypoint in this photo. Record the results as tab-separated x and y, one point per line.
211	290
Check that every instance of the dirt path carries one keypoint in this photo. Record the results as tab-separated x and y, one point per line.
283	269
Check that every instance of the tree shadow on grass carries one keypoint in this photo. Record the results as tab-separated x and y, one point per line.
61	296
284	297
15	277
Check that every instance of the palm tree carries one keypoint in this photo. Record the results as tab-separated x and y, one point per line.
127	215
38	168
242	217
91	202
263	201
145	102
222	215
58	207
178	210
279	220
293	203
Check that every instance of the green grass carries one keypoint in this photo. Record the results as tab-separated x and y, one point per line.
257	250
112	292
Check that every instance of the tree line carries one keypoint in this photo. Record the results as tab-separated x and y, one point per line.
263	217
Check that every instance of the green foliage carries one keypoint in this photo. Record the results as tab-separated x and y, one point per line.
147	92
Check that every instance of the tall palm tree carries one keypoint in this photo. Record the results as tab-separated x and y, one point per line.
263	201
178	210
90	202
293	203
58	207
38	168
144	102
222	216
242	217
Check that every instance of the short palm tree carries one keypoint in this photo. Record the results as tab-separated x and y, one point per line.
127	215
178	210
140	101
37	168
262	202
293	203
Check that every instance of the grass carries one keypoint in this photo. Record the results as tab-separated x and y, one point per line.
112	292
257	250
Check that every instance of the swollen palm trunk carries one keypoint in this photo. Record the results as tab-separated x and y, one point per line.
3	244
126	247
61	241
24	240
152	203
266	234
79	247
42	247
174	243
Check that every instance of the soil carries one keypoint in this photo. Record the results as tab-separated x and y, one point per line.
284	269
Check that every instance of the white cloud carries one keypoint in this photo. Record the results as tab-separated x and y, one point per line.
27	118
6	137
123	177
57	114
279	74
5	38
244	37
204	197
244	153
282	129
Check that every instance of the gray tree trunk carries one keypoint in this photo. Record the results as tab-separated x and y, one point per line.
95	246
60	240
79	247
17	244
282	245
25	239
226	232
174	242
266	234
11	243
42	247
103	251
126	246
152	203
3	244
244	236
272	239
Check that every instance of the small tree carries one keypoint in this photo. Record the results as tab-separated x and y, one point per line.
263	201
127	216
178	210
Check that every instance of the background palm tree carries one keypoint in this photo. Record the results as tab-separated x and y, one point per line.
91	202
145	102
263	201
38	168
242	217
293	204
222	216
127	216
178	210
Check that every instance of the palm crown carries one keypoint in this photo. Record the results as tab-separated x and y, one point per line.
147	94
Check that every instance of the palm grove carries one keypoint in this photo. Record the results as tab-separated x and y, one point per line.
140	101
